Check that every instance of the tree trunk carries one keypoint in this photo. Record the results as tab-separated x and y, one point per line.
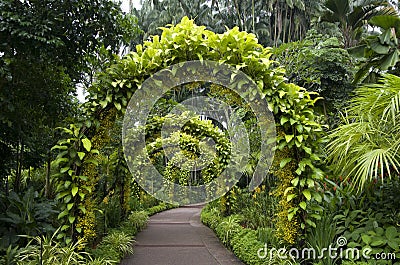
7	187
253	16
275	25
290	26
47	184
285	25
17	181
279	25
236	5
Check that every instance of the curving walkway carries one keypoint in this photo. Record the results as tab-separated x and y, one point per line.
177	237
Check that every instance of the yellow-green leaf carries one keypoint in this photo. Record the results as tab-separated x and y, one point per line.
290	216
283	120
82	208
64	169
103	103
71	219
284	162
87	144
300	138
117	105
288	137
74	191
81	155
62	214
307	194
290	197
295	181
287	190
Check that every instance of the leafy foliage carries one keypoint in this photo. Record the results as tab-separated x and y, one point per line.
319	64
65	30
117	245
365	147
47	250
292	105
322	236
352	15
71	189
244	242
257	208
24	215
188	139
138	219
379	52
273	22
47	48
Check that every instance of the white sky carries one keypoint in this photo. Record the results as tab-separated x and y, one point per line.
125	8
125	5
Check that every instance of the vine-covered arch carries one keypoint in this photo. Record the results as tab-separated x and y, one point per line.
297	140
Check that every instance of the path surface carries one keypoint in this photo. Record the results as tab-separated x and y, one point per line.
177	237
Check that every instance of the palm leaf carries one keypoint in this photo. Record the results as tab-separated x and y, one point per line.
366	146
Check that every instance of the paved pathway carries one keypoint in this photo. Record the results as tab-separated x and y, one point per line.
177	237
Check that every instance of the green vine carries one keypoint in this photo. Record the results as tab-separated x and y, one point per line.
291	105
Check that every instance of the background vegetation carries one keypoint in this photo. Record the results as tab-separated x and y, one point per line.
331	78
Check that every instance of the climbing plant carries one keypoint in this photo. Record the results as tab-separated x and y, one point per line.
73	188
298	138
188	139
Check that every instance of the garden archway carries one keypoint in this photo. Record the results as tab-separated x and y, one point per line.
295	163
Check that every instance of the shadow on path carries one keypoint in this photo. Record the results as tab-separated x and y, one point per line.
177	237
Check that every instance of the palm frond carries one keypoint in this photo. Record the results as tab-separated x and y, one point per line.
366	146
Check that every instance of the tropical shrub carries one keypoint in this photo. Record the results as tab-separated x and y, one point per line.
257	208
119	242
361	218
246	243
117	245
365	229
159	208
366	147
210	216
322	236
26	214
111	212
319	63
47	250
268	236
10	256
138	219
227	228
379	51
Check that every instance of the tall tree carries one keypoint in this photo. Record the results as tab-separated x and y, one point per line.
44	47
352	16
273	21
